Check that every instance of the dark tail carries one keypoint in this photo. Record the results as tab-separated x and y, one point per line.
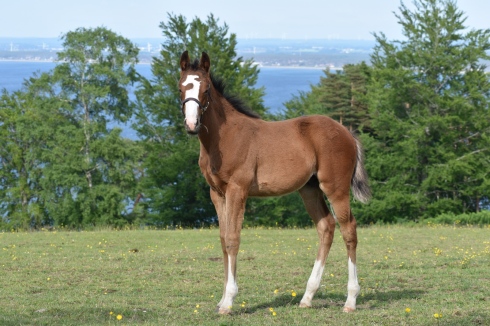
359	183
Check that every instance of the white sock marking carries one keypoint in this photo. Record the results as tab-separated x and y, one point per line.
353	287
313	283
231	288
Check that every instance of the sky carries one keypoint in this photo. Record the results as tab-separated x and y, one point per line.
286	19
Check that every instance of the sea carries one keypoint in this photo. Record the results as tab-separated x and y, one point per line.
281	84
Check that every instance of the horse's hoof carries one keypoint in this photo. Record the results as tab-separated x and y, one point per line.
349	309
224	311
304	305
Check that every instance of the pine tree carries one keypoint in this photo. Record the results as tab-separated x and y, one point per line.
340	95
429	102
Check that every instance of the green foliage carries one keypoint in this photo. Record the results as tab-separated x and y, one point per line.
423	110
481	218
284	211
61	163
96	69
340	95
24	132
428	100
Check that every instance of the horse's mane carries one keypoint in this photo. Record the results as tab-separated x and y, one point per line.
235	101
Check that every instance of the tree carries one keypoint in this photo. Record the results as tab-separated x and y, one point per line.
341	95
89	170
175	191
429	99
93	76
24	132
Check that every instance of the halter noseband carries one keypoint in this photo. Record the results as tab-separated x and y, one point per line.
202	107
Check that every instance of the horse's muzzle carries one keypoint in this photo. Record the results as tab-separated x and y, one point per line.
192	129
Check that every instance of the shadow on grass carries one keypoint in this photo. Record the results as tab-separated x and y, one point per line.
374	300
322	300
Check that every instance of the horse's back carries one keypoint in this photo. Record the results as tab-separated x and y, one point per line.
317	133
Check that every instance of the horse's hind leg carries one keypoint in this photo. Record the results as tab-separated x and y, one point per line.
325	225
343	214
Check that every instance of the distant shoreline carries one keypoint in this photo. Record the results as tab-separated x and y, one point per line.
148	63
25	60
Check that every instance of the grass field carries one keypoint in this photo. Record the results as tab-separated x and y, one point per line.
434	275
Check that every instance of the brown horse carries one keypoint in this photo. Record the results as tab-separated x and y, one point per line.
242	155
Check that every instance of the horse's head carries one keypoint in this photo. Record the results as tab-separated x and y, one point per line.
194	87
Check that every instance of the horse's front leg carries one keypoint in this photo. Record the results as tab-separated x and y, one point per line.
219	204
230	229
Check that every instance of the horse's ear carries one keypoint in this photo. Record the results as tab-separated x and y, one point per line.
205	62
184	61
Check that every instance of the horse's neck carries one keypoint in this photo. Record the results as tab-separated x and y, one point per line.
219	116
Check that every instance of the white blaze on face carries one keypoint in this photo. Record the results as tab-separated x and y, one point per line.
191	107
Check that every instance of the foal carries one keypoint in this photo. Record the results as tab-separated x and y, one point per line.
242	156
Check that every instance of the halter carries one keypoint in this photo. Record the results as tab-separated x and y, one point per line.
202	107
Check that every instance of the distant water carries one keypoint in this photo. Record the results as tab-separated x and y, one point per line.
281	84
13	73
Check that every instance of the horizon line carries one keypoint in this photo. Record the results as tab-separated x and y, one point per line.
238	38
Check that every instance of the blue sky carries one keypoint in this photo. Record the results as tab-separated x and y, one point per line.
298	19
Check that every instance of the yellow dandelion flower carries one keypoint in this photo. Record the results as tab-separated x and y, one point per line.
197	306
407	310
119	317
293	294
271	309
437	316
195	311
276	291
111	313
274	313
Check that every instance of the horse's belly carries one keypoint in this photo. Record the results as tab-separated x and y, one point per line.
282	170
279	182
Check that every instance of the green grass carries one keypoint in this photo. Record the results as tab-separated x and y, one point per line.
175	277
